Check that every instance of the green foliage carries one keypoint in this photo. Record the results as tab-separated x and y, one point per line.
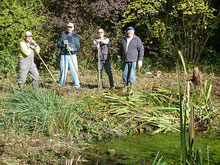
167	26
192	22
16	18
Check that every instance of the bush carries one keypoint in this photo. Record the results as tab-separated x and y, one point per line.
16	17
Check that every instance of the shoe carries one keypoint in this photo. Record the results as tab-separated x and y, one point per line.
78	89
125	88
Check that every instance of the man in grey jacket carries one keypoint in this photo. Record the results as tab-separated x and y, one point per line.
131	53
104	56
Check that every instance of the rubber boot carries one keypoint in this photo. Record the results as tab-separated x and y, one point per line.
111	82
36	85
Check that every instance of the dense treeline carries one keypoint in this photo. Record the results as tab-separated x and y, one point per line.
165	27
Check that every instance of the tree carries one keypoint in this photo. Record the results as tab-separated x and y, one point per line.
87	15
192	23
167	26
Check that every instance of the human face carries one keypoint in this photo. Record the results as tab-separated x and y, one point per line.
28	39
130	33
100	33
69	29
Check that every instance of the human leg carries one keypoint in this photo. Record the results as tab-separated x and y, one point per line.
22	77
75	77
63	69
35	75
108	70
100	72
132	76
125	72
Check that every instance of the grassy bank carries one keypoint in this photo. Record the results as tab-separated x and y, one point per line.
37	121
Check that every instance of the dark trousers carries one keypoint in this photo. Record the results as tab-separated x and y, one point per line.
107	66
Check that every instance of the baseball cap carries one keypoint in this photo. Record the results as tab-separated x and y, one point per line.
130	28
70	25
28	33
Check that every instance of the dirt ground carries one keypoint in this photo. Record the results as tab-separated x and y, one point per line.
89	83
144	82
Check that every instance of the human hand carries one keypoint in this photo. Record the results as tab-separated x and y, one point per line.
140	64
33	44
99	40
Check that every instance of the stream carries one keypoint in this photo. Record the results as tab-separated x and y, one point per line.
143	148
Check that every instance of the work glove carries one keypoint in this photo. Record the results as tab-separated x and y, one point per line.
71	49
140	64
119	58
33	44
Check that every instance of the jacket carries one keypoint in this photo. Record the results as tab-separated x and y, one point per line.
73	43
25	50
104	53
135	51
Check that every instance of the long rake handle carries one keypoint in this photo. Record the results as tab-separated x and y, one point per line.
74	65
99	78
47	68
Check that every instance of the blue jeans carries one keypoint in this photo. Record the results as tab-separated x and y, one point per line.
129	70
65	63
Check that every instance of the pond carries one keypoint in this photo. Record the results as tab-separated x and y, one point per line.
143	148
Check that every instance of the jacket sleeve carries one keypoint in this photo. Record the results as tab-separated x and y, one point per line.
105	41
121	50
25	49
140	50
95	44
77	44
37	49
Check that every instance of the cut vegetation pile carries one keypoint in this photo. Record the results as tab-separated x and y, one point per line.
98	116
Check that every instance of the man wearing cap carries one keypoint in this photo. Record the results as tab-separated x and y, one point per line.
26	60
69	45
102	43
131	53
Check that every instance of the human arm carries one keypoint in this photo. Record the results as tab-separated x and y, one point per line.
25	49
77	44
34	46
140	47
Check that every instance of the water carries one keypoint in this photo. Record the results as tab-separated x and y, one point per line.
143	148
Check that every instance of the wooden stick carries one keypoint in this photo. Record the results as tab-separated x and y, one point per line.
99	76
74	65
47	68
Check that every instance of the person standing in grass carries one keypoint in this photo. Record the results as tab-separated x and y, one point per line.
26	61
101	43
131	54
69	46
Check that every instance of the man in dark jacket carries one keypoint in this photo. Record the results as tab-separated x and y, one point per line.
69	45
102	43
131	53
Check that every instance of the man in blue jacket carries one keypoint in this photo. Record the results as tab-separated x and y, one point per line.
131	53
69	45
